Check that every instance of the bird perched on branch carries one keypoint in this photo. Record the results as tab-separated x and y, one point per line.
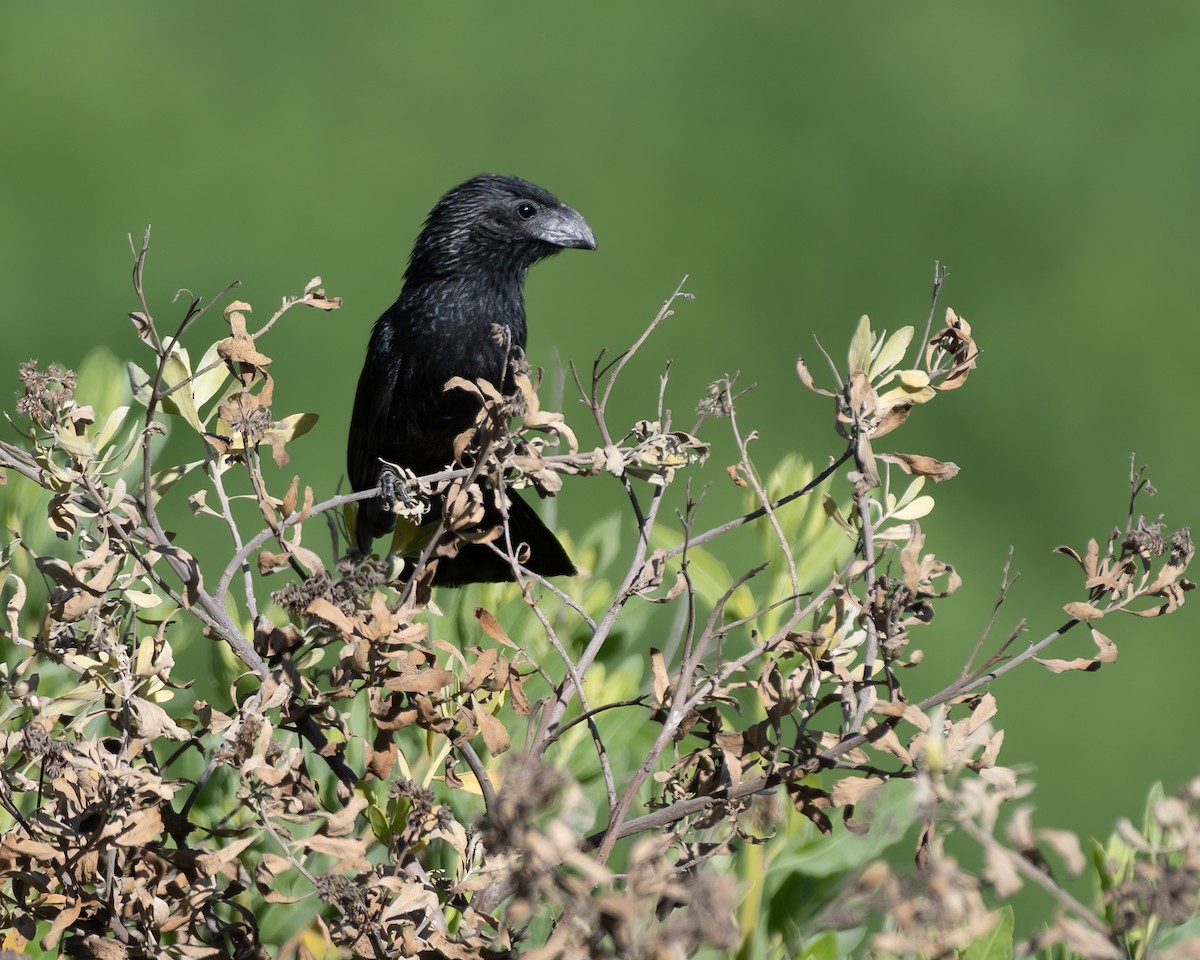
461	313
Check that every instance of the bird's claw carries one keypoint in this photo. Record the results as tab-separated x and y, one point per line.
396	486
387	487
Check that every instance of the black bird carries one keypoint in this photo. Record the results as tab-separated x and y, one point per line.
464	279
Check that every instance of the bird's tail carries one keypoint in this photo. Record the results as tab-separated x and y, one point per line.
476	562
479	563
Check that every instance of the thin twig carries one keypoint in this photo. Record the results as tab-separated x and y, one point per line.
1006	584
760	492
619	364
757	514
215	474
1040	877
940	273
866	539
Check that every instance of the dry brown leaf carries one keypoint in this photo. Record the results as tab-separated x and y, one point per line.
910	560
914	463
66	917
983	712
420	681
662	684
1083	611
1066	845
888	742
241	350
342	822
350	852
1002	872
651	574
1062	666
1086	942
381	759
516	689
480	671
324	610
101	948
806	378
1107	653
491	626
851	790
153	721
495	736
893	418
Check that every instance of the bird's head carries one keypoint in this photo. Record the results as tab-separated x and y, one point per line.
497	223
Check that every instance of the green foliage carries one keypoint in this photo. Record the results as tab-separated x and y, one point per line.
997	943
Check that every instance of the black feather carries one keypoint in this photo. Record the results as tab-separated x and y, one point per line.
464	278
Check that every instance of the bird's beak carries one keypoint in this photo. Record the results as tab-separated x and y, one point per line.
566	228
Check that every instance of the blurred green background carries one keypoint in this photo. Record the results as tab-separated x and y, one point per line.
802	163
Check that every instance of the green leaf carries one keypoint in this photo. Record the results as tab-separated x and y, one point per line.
289	428
409	539
166	478
176	370
604	538
75	445
109	428
918	508
1187	932
142	599
139	383
844	851
207	384
100	384
401	808
710	577
892	352
1104	875
860	346
834	512
997	943
914	488
824	947
379	822
306	661
1151	829
906	394
297	425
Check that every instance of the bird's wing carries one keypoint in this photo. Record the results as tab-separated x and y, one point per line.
369	428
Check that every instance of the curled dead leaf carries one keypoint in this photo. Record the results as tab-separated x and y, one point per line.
807	379
922	466
1083	611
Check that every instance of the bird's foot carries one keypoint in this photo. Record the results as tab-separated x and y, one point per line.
402	493
387	487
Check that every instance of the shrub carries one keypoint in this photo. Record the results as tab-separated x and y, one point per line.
657	758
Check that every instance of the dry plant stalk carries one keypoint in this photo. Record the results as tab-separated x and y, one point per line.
353	701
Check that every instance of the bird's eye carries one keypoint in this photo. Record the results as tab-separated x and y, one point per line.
526	210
